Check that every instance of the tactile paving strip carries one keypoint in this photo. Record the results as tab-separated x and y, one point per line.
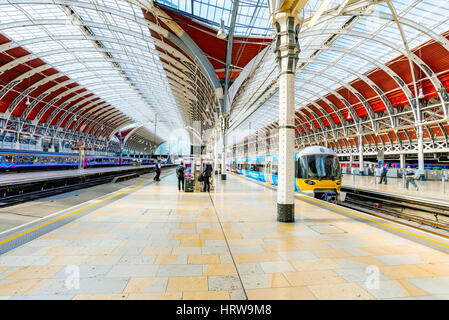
29	236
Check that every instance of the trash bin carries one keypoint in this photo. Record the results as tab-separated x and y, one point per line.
188	185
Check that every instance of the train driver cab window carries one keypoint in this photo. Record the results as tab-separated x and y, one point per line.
318	167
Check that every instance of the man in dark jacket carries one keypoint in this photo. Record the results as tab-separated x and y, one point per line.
180	173
158	171
410	178
383	174
207	173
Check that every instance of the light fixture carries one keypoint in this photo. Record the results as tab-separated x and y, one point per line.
421	94
221	34
28	101
349	116
74	118
318	13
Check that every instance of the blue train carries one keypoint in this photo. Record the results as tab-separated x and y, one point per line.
17	160
317	171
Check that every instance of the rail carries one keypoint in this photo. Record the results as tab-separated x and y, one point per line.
431	212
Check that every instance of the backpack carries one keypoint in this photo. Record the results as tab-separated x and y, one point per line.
180	171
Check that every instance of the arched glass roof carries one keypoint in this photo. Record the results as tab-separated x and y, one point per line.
355	63
103	45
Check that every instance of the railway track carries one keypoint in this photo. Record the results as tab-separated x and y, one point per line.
425	214
25	192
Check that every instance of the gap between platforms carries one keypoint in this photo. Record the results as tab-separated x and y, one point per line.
436	244
17	236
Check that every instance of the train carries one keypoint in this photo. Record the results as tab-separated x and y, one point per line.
317	171
20	160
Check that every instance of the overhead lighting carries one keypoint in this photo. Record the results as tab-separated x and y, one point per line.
221	34
318	13
28	101
421	94
74	118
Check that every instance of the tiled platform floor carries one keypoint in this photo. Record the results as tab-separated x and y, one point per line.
157	243
427	189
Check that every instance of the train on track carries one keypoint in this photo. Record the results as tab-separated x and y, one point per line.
317	171
19	160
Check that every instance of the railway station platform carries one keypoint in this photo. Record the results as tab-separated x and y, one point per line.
427	189
7	179
150	241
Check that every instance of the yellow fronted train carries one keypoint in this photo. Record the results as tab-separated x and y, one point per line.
317	171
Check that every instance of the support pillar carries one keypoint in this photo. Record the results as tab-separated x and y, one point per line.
287	50
223	156
351	160
402	160
361	163
217	134
420	137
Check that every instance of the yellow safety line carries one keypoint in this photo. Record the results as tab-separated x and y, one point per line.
383	224
68	215
356	215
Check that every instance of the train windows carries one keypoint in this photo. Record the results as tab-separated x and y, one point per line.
52	159
274	168
10	159
259	167
23	159
44	159
34	159
318	167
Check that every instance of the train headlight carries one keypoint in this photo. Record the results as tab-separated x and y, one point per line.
338	182
309	182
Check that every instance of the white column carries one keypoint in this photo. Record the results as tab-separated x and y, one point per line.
217	135
286	50
420	137
361	164
351	160
81	158
223	155
402	160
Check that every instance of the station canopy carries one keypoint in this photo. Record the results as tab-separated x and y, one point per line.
100	66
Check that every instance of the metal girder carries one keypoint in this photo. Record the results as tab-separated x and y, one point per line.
332	106
441	91
338	96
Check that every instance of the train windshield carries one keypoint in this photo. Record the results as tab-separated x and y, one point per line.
318	167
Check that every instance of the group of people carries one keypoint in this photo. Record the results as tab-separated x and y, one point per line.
409	176
207	173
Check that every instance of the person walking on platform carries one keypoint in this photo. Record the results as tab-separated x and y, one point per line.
180	173
383	174
207	173
158	171
410	178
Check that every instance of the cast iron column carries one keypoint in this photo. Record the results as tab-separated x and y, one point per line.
420	137
224	127
287	50
361	163
217	135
